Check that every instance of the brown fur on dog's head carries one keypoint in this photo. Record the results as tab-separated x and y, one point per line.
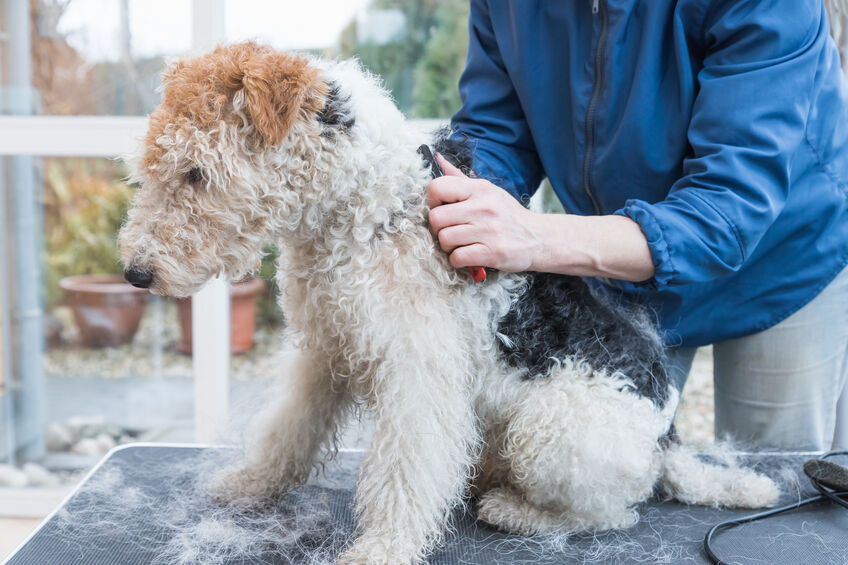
277	87
203	207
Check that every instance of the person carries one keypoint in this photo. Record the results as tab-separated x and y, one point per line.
700	150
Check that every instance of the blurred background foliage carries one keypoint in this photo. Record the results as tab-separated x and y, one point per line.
84	205
268	312
421	62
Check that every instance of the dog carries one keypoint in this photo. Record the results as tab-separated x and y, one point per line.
545	401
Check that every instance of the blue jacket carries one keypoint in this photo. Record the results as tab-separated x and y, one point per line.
720	126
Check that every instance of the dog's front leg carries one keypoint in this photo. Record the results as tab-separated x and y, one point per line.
420	457
283	441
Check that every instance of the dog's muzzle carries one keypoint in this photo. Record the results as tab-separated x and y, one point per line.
139	278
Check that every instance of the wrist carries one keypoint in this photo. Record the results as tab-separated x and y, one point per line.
592	246
554	252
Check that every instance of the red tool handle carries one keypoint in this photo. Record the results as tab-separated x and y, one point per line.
477	273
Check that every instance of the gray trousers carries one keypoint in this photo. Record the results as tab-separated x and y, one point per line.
783	388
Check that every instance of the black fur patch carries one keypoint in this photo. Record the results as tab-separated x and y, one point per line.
457	150
557	317
336	113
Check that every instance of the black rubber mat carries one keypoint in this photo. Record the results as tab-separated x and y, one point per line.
125	514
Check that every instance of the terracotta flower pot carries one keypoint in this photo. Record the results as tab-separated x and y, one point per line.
242	316
106	309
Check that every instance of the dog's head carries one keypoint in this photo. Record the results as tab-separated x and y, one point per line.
226	157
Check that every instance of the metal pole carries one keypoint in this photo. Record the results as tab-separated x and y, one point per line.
30	404
7	452
210	310
210	330
7	448
208	27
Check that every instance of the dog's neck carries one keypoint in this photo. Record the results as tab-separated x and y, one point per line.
357	196
371	217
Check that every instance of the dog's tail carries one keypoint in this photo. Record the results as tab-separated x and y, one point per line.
688	478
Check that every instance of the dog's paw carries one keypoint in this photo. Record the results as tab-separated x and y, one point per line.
243	488
373	552
506	511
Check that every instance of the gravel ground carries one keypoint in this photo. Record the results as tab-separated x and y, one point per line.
696	416
153	353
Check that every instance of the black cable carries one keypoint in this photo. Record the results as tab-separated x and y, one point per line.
840	498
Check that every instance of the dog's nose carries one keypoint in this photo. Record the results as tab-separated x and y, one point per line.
138	278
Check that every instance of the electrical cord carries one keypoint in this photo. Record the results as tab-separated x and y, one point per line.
830	479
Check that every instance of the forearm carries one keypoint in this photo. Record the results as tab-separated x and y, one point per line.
591	246
478	223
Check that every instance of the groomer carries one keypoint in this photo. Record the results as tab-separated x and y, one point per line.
700	149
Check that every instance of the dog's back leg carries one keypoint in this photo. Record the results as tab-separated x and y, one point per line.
283	441
582	453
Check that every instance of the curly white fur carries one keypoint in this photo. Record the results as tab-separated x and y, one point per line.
377	318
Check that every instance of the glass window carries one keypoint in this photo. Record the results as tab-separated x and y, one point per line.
116	364
103	367
104	57
111	370
417	46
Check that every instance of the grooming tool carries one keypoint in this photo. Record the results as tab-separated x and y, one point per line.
830	474
827	477
477	273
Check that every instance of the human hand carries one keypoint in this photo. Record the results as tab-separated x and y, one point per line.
478	223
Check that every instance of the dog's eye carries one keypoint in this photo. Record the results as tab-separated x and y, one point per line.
194	176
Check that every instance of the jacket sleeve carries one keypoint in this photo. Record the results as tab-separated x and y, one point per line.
491	114
749	117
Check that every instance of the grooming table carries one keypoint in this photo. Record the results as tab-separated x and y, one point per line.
132	507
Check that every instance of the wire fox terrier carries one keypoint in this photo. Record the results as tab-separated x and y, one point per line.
546	402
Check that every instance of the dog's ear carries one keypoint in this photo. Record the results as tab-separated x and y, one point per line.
277	88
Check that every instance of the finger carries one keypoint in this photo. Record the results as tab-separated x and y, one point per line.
456	236
474	255
445	190
448	168
431	196
451	214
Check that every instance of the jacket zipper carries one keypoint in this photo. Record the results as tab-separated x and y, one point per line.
593	102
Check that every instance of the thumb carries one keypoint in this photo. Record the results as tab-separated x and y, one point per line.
448	168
